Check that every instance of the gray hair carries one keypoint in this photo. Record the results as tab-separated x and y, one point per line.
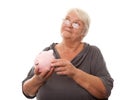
83	17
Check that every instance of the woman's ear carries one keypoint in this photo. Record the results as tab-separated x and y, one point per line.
83	34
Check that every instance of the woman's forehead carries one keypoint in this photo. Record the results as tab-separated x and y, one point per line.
72	15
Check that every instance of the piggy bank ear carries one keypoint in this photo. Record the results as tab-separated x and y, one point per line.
50	51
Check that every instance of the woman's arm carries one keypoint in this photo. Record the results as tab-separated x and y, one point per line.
92	84
32	85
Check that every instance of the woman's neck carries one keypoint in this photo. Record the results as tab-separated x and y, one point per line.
71	46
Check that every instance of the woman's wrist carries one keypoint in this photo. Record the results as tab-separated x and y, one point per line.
39	80
32	85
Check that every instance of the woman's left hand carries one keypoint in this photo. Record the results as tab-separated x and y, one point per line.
63	67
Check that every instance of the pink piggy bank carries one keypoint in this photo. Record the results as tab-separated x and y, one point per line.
43	60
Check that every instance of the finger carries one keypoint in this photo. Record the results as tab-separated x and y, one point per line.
45	75
42	75
46	72
54	60
36	70
61	73
58	62
49	73
58	69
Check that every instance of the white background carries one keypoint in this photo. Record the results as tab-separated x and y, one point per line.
27	26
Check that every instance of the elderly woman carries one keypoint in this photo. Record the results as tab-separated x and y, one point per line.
78	71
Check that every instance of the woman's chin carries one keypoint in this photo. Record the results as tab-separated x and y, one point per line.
66	34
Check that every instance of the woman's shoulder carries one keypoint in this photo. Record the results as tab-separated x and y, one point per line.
51	46
92	47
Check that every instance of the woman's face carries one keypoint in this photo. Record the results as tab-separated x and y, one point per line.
72	27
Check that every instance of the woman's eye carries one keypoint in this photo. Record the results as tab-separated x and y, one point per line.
66	21
76	25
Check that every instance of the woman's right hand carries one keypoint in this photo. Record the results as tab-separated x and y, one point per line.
44	75
31	86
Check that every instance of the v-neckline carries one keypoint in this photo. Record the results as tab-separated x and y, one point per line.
57	55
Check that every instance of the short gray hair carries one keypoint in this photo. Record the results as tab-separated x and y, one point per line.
83	17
